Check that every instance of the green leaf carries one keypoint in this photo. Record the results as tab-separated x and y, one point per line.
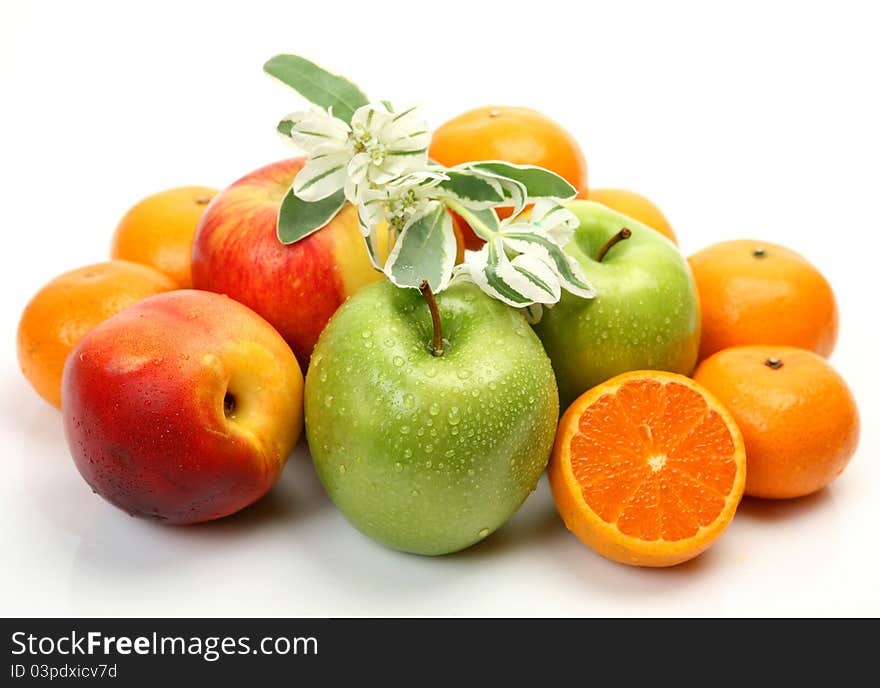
570	274
425	250
472	189
539	183
317	85
298	218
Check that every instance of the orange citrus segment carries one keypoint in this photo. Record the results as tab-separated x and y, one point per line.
648	468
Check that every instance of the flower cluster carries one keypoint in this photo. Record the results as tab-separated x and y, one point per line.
375	157
378	147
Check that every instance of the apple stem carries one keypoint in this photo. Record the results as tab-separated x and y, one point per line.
624	233
437	347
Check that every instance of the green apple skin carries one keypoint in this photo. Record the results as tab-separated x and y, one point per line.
645	316
429	454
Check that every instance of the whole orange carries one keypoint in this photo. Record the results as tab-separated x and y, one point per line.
755	292
798	418
65	309
635	205
158	231
515	134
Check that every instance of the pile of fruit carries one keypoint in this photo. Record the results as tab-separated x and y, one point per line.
683	383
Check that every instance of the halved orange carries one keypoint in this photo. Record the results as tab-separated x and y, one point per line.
648	468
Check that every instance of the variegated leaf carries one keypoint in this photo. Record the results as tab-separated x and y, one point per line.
473	190
557	221
485	222
371	240
519	282
538	244
515	193
424	250
539	183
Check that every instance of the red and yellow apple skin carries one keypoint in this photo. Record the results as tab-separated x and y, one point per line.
296	287
182	408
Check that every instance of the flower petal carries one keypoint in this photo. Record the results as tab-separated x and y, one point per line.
407	130
371	209
370	119
321	176
358	167
314	129
517	283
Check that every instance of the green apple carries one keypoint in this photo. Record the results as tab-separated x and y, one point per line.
422	452
646	314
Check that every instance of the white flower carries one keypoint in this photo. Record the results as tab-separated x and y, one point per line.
399	199
328	140
379	146
387	144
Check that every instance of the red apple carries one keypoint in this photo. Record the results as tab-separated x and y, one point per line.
296	287
183	407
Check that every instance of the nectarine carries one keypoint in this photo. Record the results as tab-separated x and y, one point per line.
182	408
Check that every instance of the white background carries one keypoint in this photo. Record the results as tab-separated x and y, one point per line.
755	120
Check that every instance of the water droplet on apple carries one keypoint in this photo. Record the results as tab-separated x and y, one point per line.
328	400
454	418
404	429
398	361
407	453
429	448
463	374
434	409
431	372
415	493
342	469
428	463
420	432
389	342
398	467
483	532
493	386
366	334
323	376
409	400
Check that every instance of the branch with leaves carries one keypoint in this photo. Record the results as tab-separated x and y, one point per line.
375	156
